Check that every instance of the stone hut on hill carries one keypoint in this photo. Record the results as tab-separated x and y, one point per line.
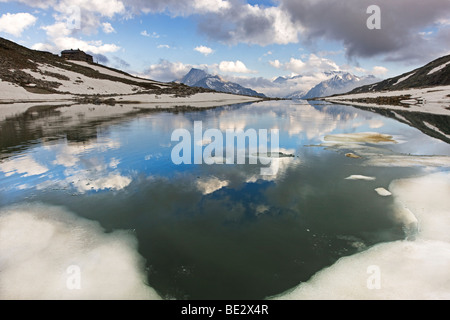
77	55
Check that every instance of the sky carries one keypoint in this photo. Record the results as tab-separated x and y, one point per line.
252	42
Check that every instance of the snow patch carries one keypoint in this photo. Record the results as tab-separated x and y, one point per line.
442	66
404	78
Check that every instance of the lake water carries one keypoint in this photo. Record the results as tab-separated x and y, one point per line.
216	231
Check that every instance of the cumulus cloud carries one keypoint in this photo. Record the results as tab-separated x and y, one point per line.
234	67
313	64
167	71
163	46
61	36
253	24
26	166
108	28
379	71
210	184
16	23
179	8
204	50
153	35
95	47
401	37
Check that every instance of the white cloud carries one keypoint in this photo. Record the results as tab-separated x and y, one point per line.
95	47
379	71
16	23
376	71
26	166
211	5
167	71
163	46
104	8
210	185
108	28
44	47
234	67
57	30
313	65
153	35
113	181
276	63
204	50
60	38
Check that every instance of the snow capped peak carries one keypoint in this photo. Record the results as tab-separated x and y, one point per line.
193	76
342	82
200	78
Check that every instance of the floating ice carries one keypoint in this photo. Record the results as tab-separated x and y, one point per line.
383	192
49	253
360	177
397	270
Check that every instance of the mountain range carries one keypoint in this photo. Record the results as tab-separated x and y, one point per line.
201	79
336	82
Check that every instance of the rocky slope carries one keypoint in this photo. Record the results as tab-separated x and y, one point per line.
45	73
435	73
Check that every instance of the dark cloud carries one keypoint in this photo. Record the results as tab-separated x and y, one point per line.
120	63
241	22
100	58
345	21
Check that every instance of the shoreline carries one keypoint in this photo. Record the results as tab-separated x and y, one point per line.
430	100
124	103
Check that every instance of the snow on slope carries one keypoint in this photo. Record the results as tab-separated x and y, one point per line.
438	68
404	78
114	74
10	92
81	84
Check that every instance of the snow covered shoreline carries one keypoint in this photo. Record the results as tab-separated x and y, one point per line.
433	100
15	100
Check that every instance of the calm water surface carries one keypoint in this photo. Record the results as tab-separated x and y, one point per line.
219	231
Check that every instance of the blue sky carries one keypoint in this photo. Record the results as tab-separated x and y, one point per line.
235	38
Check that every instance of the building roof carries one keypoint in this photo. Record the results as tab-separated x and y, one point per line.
71	51
74	51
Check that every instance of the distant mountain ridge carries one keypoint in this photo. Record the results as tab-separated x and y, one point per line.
201	79
337	82
435	73
340	83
